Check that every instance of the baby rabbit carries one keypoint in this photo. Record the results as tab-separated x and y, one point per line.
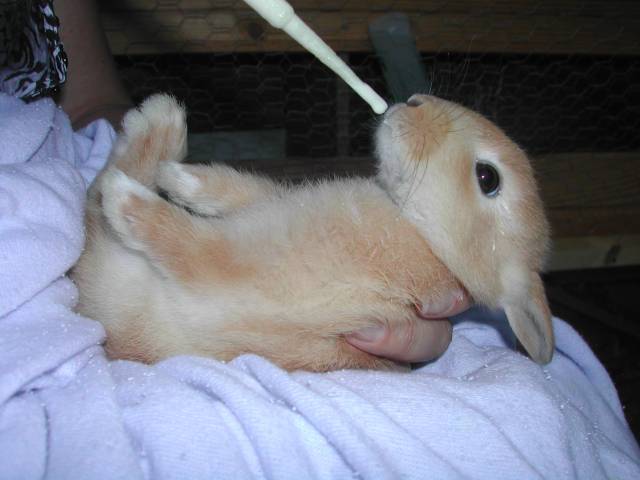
236	263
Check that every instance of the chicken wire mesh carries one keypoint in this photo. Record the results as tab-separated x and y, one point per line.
557	76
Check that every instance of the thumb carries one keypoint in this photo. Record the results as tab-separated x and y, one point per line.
415	340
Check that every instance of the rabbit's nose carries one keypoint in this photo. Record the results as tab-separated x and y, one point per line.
416	100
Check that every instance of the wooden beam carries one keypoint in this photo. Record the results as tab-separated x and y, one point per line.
585	194
573	253
591	194
525	7
592	200
519	26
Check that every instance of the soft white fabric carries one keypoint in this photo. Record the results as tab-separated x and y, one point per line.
481	411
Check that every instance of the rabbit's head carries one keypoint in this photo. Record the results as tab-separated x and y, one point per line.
472	193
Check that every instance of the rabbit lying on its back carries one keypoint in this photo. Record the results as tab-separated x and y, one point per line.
284	272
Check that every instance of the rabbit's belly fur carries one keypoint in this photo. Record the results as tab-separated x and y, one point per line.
285	279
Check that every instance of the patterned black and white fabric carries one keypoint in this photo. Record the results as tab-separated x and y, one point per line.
32	59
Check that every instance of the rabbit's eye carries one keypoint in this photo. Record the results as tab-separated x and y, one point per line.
488	179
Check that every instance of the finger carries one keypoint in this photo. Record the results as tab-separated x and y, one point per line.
415	340
457	301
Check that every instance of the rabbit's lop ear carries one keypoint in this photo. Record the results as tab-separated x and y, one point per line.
530	318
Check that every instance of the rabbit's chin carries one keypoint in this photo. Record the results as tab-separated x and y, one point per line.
392	174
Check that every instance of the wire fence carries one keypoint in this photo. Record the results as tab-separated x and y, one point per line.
574	93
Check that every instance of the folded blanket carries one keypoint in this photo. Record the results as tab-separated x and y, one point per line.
480	411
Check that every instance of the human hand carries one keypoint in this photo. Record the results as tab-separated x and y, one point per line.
423	338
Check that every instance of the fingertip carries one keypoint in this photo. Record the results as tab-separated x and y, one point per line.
415	340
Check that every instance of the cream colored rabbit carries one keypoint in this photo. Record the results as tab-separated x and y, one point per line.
285	272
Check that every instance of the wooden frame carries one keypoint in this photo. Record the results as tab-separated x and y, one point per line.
516	26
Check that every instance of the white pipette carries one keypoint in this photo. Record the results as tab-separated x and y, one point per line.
281	15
